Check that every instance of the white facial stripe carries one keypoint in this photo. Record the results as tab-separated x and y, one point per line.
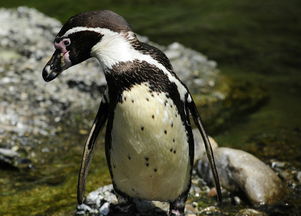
81	28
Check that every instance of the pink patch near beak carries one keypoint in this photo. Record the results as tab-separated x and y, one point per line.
65	53
67	60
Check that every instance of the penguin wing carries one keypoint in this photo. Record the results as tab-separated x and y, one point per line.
197	120
98	124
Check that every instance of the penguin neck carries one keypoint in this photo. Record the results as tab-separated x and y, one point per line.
115	48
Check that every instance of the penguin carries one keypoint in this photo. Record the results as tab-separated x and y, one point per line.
149	143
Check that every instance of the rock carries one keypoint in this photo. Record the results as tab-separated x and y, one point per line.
241	171
250	212
277	164
199	147
298	176
27	105
8	158
8	153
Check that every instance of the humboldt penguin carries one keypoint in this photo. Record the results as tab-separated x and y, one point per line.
149	144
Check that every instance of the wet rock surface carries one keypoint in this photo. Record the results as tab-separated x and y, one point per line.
239	170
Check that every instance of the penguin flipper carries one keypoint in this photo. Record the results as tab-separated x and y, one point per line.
98	124
197	120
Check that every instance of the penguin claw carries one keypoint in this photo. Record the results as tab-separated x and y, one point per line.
176	213
123	209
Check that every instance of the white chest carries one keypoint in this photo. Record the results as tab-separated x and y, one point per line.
149	151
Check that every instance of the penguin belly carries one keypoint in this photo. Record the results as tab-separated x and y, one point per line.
149	154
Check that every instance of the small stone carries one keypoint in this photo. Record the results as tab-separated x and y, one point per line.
298	176
45	150
8	153
211	210
250	212
212	192
190	209
277	164
105	209
237	200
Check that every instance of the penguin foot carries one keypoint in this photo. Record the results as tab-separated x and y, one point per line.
176	213
123	209
177	207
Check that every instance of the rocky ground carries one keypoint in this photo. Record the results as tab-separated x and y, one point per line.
32	112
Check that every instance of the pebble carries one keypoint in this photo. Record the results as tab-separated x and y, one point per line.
104	209
298	176
250	212
211	210
237	200
277	164
8	153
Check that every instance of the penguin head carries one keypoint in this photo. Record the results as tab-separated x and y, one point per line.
75	41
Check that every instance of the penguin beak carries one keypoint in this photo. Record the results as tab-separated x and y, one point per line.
56	65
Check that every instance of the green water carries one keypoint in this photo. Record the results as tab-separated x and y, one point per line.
254	42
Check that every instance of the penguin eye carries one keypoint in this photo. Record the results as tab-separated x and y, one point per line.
67	42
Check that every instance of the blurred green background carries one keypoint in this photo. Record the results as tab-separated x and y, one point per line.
251	35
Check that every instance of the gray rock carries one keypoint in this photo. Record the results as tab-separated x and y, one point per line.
27	104
241	171
199	147
194	69
8	153
298	176
277	164
97	202
9	157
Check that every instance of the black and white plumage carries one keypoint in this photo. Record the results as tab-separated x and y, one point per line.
149	141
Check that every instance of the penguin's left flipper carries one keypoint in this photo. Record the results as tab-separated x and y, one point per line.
98	124
197	120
